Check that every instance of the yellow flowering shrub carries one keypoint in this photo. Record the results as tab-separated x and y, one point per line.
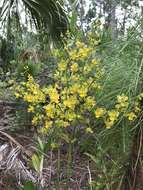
72	97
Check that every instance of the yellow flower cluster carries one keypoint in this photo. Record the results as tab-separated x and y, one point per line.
33	94
122	102
99	112
111	116
72	97
81	53
53	94
131	116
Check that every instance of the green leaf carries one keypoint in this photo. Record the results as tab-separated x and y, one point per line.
29	186
91	157
66	138
73	141
36	162
41	144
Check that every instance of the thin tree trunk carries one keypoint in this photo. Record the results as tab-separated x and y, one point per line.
113	22
124	22
81	13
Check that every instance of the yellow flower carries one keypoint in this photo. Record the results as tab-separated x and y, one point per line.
50	110
84	52
137	109
57	74
70	102
48	124
70	116
62	66
87	69
54	97
122	98
83	92
74	55
109	124
99	112
31	109
89	102
53	93
75	78
81	54
30	79
61	123
74	67
79	44
94	62
117	106
65	124
64	80
28	98
113	115
35	120
123	106
74	89
131	116
122	102
89	130
34	98
140	96
43	130
17	95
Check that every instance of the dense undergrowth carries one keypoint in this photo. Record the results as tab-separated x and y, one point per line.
84	102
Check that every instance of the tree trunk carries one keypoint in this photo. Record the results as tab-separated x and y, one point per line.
81	13
124	22
113	22
109	8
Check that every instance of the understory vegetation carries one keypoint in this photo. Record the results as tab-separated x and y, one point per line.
71	99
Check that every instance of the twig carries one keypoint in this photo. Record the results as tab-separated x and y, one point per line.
16	143
90	177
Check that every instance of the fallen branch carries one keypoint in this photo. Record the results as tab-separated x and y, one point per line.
27	152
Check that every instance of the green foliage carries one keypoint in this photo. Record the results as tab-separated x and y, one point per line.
24	69
29	186
50	76
113	82
36	162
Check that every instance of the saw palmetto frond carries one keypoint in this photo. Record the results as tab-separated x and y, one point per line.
45	14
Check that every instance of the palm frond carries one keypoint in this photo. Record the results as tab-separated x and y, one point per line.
47	15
